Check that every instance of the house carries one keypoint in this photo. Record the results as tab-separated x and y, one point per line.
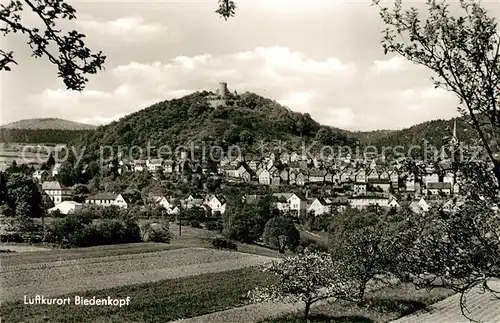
292	177
264	176
294	157
254	165
363	201
55	169
107	199
373	174
317	176
285	158
430	178
419	206
65	207
167	204
301	179
245	173
383	184
345	176
384	175
359	188
40	175
230	170
291	202
56	191
360	176
449	178
275	177
393	203
410	184
284	176
168	166
217	203
154	164
139	165
435	188
319	206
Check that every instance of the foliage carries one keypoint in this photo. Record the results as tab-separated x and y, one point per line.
310	245
21	195
281	233
75	60
251	120
194	216
41	136
366	243
226	9
245	222
458	248
221	243
56	214
91	226
463	51
307	277
156	232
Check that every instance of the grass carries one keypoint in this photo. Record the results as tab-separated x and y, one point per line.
383	305
153	302
19	258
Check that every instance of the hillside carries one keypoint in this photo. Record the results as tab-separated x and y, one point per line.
246	120
47	123
44	131
435	132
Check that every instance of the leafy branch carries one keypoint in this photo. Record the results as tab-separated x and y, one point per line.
74	59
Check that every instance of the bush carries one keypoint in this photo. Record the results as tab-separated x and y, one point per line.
74	231
221	243
312	246
56	214
281	233
157	232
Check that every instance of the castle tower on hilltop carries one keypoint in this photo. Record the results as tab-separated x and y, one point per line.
221	94
223	91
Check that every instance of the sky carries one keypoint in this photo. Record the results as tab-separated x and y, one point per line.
322	57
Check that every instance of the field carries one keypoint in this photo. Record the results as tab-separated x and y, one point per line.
24	153
153	302
383	305
77	275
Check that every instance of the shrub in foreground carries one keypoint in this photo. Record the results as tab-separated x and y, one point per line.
221	243
156	232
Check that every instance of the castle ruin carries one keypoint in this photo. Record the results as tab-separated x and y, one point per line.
219	99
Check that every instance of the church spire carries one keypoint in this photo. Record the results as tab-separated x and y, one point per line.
454	139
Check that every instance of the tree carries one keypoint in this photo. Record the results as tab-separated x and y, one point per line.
464	53
280	233
308	277
75	60
460	248
366	244
23	197
226	9
50	161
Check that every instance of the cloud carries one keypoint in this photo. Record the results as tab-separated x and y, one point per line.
394	64
133	29
343	117
334	92
298	101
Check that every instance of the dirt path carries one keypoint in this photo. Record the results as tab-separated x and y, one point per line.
483	307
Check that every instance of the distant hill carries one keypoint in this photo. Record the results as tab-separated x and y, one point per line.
48	123
246	120
44	131
435	132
